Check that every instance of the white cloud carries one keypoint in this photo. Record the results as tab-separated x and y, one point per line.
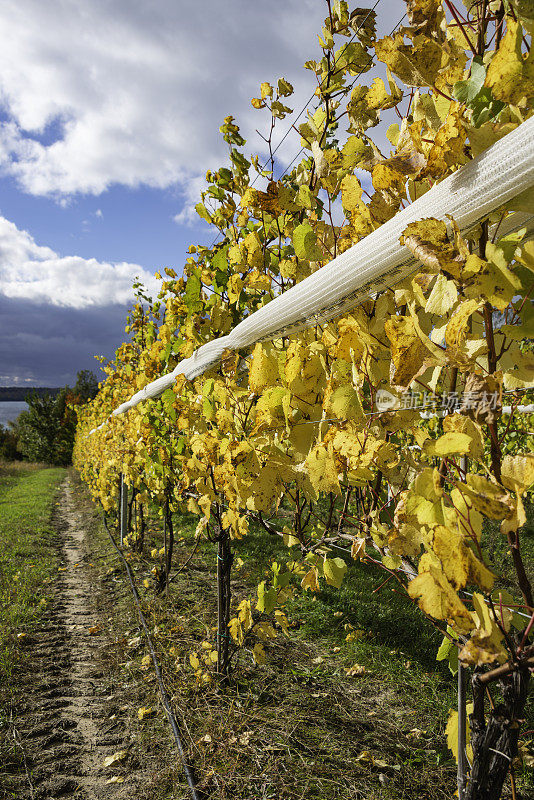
134	92
35	273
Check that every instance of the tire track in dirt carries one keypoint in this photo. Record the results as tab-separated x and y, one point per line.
62	727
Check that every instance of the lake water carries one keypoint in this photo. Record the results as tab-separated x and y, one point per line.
9	410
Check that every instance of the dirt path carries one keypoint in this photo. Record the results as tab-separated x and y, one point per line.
69	720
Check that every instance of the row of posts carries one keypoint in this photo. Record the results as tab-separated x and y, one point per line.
223	645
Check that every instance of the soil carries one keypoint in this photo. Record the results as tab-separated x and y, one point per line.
70	715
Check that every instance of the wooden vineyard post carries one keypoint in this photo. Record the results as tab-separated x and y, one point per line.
123	509
165	551
462	716
462	733
224	596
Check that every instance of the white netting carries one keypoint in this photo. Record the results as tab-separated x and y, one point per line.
502	172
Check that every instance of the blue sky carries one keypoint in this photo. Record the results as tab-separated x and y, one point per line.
109	117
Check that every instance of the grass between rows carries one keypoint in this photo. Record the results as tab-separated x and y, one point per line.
27	556
297	728
300	726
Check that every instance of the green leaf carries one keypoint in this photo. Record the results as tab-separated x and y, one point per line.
353	151
266	599
305	243
466	91
192	289
220	259
334	571
284	88
448	651
202	212
306	198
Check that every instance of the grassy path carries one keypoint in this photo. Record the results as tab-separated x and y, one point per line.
28	557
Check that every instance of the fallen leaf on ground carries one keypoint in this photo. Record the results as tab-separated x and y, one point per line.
119	756
95	629
356	669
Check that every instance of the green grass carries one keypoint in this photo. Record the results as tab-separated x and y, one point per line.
27	554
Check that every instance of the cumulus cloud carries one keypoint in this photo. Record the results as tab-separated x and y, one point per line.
36	273
128	92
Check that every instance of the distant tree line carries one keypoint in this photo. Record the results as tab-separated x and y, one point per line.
21	393
45	431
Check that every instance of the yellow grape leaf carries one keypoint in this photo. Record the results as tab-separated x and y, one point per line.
142	713
321	469
114	779
352	152
194	660
258	652
282	620
245	615
516	519
436	596
334	570
235	284
496	282
266	90
266	599
236	631
119	756
357	549
428	241
510	75
264	368
265	630
468	520
485	645
273	407
408	353
265	488
310	581
416	64
448	147
487	497
442	297
463	424
406	540
344	403
450	443
351	192
517	472
423	500
451	731
458	561
385	177
456	331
